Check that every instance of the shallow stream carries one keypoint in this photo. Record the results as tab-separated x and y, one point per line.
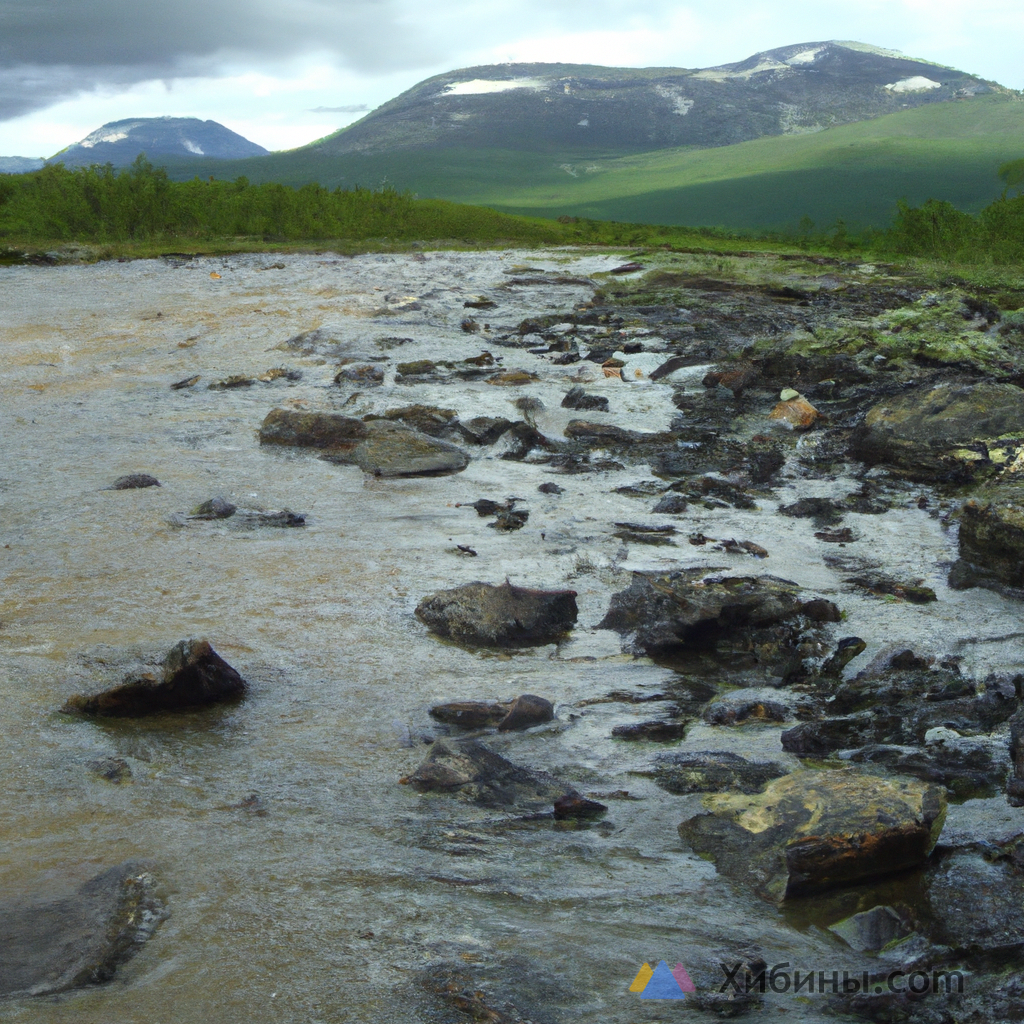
323	899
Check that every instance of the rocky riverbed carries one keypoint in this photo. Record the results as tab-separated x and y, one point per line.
443	636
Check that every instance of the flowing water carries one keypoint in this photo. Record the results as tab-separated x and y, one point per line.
326	897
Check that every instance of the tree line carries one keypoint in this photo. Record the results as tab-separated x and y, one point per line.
141	204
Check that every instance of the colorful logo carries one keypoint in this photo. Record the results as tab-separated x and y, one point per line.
662	983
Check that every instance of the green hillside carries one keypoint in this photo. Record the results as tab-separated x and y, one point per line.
856	172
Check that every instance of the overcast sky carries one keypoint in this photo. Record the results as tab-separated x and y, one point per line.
286	72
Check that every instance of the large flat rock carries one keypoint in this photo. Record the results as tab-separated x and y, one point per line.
817	830
499	616
52	945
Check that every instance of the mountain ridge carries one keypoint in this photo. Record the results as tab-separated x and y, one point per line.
120	142
795	89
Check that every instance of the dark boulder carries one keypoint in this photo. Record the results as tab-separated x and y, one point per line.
527	711
471	714
484	429
193	676
573	805
133	481
311	429
966	768
472	771
691	608
1015	787
215	508
654	731
53	945
941	432
713	772
991	541
392	449
499	616
427	419
577	398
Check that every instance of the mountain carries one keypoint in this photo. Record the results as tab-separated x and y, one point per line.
19	164
120	142
823	130
793	90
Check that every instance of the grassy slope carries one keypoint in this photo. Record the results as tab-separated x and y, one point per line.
857	172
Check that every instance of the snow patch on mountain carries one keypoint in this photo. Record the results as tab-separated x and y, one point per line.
484	86
916	84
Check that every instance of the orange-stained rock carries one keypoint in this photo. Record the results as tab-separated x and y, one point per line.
796	413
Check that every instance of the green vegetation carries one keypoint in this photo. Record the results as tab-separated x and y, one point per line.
141	208
856	172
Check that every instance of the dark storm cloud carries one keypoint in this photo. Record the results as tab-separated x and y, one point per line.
52	49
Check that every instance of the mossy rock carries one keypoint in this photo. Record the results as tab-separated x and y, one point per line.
816	830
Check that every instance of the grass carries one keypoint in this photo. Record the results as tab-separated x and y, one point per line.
855	173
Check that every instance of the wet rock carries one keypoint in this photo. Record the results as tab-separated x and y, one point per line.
188	382
846	650
484	429
655	731
508	520
279	373
1015	787
112	769
512	378
471	714
231	383
484	506
881	585
843	536
941	432
499	616
824	511
54	945
966	768
527	711
641	533
576	806
603	434
871	930
470	326
391	449
713	772
361	373
812	831
736	379
820	610
476	773
311	429
133	481
519	440
765	458
691	608
795	412
577	398
991	543
193	676
741	547
549	488
746	706
215	508
415	368
283	518
711	493
671	504
973	905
